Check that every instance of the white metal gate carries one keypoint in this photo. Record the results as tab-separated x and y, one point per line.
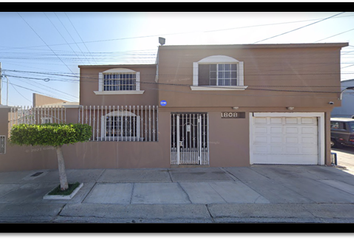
189	138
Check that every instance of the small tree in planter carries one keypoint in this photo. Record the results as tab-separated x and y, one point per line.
51	134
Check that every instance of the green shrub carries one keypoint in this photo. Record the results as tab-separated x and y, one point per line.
50	134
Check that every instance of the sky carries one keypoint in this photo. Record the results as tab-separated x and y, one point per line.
40	51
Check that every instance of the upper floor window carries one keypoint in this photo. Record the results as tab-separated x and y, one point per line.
218	73
119	81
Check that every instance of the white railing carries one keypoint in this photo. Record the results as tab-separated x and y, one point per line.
109	123
121	123
36	115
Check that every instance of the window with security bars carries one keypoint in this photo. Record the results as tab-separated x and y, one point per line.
119	81
217	75
122	126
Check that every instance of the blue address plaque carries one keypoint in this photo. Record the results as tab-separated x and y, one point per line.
163	103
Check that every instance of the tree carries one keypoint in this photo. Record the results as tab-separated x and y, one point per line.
51	134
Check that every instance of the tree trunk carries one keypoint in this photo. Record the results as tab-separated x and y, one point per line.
61	166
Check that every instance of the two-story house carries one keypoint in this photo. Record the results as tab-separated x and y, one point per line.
215	105
212	105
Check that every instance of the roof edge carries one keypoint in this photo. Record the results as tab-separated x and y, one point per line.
118	65
280	45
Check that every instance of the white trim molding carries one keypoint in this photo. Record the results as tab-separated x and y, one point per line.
217	88
219	59
122	115
118	71
118	92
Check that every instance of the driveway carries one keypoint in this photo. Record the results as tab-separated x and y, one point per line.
345	158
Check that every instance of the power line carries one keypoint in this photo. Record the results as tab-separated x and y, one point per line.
335	35
61	35
30	89
44	41
71	37
53	90
95	79
299	28
20	93
79	36
175	33
76	77
253	87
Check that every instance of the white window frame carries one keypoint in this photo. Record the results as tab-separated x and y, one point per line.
121	138
219	59
118	71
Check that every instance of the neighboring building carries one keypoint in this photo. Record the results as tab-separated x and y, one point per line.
209	105
40	100
347	108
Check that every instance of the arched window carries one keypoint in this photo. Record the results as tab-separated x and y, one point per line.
218	72
119	81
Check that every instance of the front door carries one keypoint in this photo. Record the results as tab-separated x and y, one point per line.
189	138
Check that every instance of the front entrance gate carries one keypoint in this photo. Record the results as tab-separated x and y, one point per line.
189	138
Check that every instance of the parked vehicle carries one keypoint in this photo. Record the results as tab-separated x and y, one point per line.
342	132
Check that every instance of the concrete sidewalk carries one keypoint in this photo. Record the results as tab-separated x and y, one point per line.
273	193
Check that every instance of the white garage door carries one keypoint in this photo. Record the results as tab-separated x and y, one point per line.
284	140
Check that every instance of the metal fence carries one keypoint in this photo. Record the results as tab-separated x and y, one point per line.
36	115
109	123
121	123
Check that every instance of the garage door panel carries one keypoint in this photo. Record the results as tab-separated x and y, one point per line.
309	150
275	120
285	140
308	130
291	120
293	130
291	139
292	150
286	159
261	139
261	149
260	129
306	120
276	149
260	120
309	140
276	139
276	130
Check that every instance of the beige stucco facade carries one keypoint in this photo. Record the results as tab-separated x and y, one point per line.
304	77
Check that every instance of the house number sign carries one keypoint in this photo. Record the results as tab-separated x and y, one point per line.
232	115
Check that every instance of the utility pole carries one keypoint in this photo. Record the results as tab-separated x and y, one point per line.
7	89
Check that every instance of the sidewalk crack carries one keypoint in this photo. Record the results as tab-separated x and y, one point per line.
211	216
180	186
132	194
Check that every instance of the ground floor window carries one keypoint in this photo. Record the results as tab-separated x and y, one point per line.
123	125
